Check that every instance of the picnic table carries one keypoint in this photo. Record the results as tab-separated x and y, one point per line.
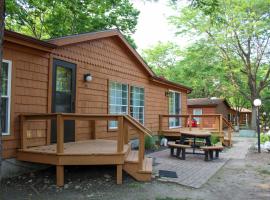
195	134
181	147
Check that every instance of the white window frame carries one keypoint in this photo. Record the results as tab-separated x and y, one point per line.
180	109
9	62
198	119
110	104
132	106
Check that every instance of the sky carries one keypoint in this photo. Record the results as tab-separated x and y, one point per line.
153	25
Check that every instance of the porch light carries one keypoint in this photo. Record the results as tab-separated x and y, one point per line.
257	103
88	77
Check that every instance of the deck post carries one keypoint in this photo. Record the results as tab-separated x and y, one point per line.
23	131
92	125
119	174
189	122
141	151
120	139
220	123
126	133
60	175
60	133
230	136
200	125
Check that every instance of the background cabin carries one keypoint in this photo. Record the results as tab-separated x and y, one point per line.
244	117
204	106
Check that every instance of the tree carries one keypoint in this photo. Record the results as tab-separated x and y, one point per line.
2	24
198	66
162	57
240	29
45	19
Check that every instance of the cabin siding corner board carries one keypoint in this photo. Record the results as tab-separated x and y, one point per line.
107	60
29	93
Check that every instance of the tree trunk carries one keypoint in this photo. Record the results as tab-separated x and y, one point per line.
2	19
253	118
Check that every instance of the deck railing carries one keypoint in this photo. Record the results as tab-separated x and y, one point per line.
125	124
219	123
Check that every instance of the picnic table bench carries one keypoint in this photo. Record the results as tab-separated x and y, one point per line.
209	151
180	150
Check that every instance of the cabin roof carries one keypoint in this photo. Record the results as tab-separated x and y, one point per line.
19	38
49	45
207	102
242	110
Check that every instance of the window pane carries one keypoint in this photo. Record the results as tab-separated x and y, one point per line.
137	103
118	100
63	79
4	78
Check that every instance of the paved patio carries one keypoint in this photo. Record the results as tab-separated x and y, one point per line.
194	171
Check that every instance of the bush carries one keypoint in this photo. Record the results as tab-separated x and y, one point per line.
214	139
149	143
264	138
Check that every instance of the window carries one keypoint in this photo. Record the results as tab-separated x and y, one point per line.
174	109
118	101
197	111
137	103
6	95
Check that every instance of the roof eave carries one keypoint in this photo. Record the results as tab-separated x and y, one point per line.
171	84
21	39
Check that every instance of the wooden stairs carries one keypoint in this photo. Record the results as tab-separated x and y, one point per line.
132	167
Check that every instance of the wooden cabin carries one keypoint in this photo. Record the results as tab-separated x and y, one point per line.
244	117
80	99
205	106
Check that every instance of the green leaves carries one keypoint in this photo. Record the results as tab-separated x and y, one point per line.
239	30
45	19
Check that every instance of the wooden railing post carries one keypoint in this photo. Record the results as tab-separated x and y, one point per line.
230	135
60	133
190	122
141	151
200	125
120	139
126	133
92	125
220	123
23	131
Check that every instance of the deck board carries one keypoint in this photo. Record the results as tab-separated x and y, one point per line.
86	147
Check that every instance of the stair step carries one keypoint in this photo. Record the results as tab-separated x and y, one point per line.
133	157
147	165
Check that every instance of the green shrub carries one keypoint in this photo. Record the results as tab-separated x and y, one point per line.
149	142
214	139
264	138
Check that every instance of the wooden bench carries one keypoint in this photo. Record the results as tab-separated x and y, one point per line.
209	151
180	150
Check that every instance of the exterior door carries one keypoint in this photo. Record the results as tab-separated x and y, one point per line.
63	96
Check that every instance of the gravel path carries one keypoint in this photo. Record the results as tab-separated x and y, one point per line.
245	176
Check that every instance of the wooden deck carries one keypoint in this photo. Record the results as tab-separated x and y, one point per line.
85	147
89	152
